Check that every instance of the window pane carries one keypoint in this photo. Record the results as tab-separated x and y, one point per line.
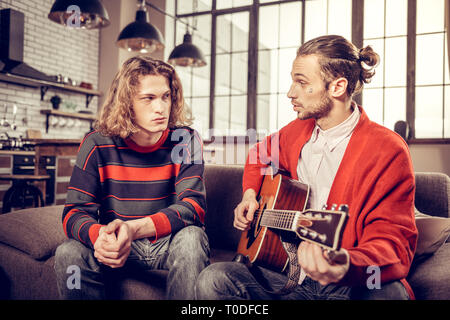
239	31
202	36
396	17
429	112
285	112
446	58
224	4
185	78
395	62
201	79
263	112
290	26
221	113
188	6
238	123
287	57
430	16
267	71
239	76
268	27
373	104
223	40
394	106
315	18
200	112
447	113
373	18
222	74
429	59
378	46
340	18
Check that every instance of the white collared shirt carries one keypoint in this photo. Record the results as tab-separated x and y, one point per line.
321	156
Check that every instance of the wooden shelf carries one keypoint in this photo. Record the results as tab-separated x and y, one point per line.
82	116
45	85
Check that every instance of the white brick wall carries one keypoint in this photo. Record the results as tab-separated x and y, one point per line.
52	49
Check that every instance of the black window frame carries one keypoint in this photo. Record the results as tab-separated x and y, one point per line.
357	39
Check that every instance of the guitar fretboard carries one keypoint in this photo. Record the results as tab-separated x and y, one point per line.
280	219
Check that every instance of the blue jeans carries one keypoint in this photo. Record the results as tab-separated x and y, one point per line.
184	255
233	281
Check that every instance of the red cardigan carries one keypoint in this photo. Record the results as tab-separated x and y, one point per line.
375	179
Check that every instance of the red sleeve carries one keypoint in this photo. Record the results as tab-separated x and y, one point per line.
381	231
260	156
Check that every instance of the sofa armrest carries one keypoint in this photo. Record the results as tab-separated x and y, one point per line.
35	231
433	193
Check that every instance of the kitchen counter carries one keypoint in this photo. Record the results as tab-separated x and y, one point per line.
18	152
56	141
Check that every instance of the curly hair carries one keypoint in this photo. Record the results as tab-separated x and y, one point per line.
338	57
117	118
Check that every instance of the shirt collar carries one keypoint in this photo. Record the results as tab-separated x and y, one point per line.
335	135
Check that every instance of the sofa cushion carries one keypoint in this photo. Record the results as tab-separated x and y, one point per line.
430	279
433	233
36	231
223	193
433	193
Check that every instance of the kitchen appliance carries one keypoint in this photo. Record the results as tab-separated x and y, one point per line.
12	24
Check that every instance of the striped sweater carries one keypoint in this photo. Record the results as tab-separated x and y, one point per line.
117	179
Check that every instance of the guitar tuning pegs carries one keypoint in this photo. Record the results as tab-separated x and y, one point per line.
313	234
322	237
333	207
343	207
324	207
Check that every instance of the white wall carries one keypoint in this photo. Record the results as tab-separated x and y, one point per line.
431	157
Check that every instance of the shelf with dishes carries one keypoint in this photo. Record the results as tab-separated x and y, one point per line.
45	85
55	114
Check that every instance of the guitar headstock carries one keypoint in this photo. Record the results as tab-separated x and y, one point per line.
323	227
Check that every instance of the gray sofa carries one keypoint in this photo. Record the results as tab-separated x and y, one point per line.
29	238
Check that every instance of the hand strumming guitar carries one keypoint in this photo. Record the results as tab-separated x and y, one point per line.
244	211
318	266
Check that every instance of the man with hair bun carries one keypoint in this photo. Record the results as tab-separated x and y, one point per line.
345	158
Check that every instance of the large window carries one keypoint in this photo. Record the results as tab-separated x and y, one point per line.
250	45
385	30
432	89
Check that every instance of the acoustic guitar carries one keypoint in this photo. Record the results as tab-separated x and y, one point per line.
282	216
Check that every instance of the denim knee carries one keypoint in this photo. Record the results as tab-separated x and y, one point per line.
210	281
72	252
191	240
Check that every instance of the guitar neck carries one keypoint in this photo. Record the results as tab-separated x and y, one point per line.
279	219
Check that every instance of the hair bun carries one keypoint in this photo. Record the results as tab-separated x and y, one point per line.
368	56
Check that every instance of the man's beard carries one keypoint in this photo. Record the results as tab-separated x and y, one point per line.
317	111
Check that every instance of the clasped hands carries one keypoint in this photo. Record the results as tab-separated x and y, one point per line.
313	260
113	244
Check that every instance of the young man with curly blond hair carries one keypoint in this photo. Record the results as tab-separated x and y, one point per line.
136	198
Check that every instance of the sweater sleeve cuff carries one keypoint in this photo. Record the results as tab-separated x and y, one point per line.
162	225
93	232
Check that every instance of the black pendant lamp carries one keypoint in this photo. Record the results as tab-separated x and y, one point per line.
187	54
87	14
141	35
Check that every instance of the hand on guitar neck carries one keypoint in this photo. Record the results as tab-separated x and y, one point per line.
321	265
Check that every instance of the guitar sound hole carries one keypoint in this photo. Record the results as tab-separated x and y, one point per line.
255	226
256	223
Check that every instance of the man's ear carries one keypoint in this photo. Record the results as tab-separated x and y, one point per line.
338	87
